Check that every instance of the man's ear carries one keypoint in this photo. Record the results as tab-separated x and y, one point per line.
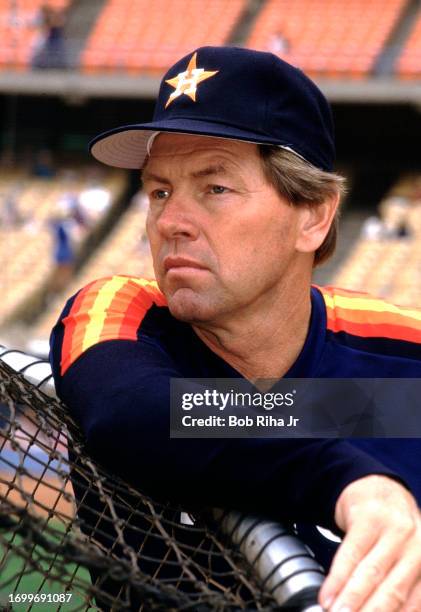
314	223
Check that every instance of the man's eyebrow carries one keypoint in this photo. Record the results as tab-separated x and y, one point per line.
210	171
150	176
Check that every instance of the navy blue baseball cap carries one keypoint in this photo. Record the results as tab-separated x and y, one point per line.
233	93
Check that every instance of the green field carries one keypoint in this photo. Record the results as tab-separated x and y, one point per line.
11	567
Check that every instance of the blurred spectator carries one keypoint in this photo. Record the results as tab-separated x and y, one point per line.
50	51
70	205
394	221
63	252
395	214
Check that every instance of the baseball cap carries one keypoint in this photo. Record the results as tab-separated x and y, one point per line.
234	93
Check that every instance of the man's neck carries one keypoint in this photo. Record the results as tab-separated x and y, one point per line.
263	344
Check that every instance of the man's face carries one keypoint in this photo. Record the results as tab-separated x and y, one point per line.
223	241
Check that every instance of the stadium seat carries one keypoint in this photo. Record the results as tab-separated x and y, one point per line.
326	37
148	37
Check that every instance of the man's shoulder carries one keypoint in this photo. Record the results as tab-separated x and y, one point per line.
123	286
110	308
366	315
371	324
104	300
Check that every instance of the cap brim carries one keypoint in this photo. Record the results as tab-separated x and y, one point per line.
126	146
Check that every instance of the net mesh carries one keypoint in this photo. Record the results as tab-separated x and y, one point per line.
75	537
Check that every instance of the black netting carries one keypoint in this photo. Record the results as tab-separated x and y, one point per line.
67	527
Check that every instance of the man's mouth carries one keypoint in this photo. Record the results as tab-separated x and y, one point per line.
176	262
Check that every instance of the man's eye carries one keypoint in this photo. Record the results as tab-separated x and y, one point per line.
217	189
160	194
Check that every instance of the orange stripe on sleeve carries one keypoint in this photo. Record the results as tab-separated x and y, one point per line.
362	315
394	332
372	317
141	300
73	323
110	309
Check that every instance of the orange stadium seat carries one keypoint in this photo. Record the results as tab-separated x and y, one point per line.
19	31
409	64
326	37
146	36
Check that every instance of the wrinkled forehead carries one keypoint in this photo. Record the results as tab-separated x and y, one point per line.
192	149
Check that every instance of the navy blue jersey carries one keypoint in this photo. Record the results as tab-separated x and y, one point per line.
116	346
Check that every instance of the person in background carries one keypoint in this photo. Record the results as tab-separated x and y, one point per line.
50	51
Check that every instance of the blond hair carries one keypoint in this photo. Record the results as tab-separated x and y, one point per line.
301	183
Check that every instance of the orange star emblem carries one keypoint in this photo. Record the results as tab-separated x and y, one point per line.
186	82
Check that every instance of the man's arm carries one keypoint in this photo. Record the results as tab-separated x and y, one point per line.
118	391
127	429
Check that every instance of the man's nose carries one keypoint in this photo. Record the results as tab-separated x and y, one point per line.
178	218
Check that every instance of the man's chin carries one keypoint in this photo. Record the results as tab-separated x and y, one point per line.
186	305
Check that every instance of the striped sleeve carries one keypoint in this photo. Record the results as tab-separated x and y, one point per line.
110	308
360	314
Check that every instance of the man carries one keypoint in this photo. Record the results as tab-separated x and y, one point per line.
237	164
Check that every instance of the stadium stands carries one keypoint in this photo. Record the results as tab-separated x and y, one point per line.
326	37
409	63
146	36
26	244
20	31
125	251
386	260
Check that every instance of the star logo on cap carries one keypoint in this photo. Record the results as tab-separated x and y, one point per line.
186	82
